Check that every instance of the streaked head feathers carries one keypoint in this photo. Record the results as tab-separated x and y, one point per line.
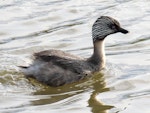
105	26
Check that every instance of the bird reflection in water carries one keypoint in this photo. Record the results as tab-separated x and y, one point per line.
94	85
99	86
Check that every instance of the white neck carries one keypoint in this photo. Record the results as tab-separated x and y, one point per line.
98	57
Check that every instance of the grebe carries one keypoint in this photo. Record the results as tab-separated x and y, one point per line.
56	68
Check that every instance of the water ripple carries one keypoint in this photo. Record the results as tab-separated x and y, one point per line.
29	26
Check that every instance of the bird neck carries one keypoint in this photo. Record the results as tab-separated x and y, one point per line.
98	57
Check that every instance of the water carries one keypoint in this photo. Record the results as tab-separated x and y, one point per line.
30	26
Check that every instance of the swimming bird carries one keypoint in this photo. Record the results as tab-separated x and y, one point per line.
56	68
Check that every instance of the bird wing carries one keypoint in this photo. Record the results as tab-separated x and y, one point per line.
62	59
49	54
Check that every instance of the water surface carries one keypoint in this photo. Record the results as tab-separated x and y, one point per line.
31	26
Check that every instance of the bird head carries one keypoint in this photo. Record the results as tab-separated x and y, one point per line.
105	26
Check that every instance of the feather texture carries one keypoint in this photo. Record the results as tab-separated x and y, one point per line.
56	68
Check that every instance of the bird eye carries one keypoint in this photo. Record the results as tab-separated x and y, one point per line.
113	27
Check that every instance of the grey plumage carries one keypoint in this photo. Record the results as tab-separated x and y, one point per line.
103	27
56	68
